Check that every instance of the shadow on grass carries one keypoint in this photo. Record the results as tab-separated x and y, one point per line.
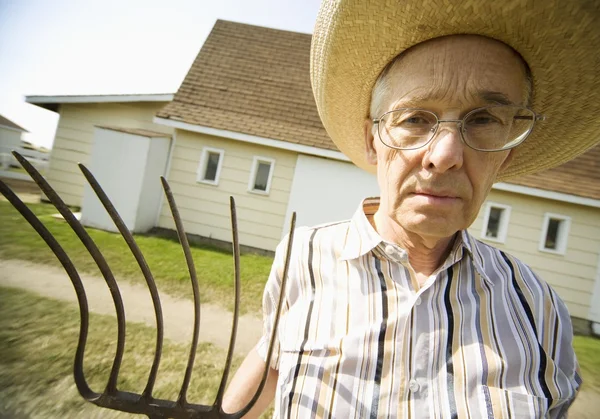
206	243
38	337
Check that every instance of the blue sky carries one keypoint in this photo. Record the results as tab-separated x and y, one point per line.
70	47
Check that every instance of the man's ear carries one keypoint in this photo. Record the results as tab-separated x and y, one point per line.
370	152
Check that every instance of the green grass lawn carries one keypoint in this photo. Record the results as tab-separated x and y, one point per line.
164	256
588	355
37	344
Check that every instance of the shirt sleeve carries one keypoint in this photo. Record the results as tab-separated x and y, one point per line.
270	302
568	376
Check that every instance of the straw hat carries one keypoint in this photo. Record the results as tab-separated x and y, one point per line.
560	40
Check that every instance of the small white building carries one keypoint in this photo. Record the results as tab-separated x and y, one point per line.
10	139
74	139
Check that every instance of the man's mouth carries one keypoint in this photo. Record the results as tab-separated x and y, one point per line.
436	197
436	194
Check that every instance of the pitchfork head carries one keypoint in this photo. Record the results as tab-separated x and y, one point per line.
111	397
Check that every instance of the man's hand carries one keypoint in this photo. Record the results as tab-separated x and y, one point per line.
244	385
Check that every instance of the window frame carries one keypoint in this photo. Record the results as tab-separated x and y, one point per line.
563	233
252	180
503	225
203	163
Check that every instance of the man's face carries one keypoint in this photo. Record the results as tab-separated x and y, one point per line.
438	189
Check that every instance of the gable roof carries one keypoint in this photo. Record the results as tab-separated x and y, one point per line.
255	80
5	122
579	177
252	80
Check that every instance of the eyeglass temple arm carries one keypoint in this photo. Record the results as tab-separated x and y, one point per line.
535	118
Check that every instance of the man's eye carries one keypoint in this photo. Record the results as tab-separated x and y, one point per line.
416	120
482	119
410	119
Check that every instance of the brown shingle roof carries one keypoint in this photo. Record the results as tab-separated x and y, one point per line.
10	124
255	80
252	80
580	176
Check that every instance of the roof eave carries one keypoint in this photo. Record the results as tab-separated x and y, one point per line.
52	102
552	195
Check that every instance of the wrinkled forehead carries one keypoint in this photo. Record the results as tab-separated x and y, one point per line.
459	70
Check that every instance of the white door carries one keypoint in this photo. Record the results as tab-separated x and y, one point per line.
128	167
326	190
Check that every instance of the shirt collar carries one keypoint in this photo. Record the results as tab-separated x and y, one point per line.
362	238
474	248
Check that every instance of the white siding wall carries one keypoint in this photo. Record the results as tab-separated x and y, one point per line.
573	274
75	134
205	208
9	140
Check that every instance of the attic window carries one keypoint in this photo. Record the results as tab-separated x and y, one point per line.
555	231
261	175
209	168
495	222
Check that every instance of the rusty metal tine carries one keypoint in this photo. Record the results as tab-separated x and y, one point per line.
263	380
93	250
61	255
181	400
139	257
236	308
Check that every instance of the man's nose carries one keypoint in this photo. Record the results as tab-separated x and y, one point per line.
446	149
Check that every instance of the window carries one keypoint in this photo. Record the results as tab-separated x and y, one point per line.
555	232
261	175
209	168
495	222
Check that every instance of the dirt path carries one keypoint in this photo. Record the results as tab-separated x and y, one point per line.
215	322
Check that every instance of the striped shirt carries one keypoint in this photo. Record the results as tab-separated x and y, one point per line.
483	337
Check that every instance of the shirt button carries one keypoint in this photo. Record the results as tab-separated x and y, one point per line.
414	386
418	301
389	249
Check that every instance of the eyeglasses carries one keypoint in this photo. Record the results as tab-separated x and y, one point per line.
491	128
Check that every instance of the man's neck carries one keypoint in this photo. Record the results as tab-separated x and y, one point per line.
425	253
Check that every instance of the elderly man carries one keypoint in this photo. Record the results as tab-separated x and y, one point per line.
399	312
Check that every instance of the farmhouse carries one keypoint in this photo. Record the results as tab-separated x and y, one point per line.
244	124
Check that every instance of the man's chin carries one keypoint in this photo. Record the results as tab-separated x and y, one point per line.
431	225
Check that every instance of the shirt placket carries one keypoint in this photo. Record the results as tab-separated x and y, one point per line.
415	340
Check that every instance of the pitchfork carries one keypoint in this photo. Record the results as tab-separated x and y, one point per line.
111	397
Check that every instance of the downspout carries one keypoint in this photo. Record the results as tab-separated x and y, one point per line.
595	303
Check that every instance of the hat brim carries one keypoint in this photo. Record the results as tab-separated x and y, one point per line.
560	41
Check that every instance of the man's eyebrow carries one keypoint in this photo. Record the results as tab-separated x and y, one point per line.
496	98
488	96
412	102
